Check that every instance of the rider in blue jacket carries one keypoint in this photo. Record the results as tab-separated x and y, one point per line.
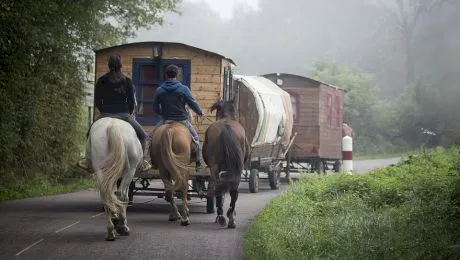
169	102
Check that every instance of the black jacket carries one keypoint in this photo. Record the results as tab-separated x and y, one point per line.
114	94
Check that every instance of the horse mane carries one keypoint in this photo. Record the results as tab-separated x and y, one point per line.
224	108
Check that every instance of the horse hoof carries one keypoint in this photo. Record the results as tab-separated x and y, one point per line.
185	223
110	239
231	225
221	220
123	231
171	218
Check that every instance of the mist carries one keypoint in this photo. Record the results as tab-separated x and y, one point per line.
290	36
399	58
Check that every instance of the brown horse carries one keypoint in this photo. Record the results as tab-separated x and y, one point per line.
225	151
171	153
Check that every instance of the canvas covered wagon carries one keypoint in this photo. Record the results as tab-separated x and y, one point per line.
318	116
206	73
265	112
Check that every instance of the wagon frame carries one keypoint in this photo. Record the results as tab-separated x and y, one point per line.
272	165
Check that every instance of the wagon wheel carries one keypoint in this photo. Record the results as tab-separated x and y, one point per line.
210	200
254	181
337	166
210	209
287	169
132	185
321	166
199	185
274	178
317	165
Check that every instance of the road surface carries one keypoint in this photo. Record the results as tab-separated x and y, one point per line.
72	226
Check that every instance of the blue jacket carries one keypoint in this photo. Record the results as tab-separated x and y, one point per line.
170	100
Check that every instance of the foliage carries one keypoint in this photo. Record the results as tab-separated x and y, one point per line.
37	184
408	211
42	53
375	122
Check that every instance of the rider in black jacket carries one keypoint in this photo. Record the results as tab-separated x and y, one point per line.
114	97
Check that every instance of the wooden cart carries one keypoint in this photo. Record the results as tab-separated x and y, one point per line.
265	112
318	116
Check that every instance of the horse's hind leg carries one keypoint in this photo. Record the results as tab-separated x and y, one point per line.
185	211
219	204
110	226
121	225
231	210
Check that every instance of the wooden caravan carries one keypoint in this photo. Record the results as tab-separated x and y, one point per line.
206	73
318	115
265	112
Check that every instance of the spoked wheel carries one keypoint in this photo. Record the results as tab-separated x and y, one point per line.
274	179
210	201
254	181
132	185
337	166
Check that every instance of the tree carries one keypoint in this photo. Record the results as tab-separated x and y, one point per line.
42	51
407	14
374	121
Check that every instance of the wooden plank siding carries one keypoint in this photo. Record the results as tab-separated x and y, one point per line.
319	123
331	122
206	72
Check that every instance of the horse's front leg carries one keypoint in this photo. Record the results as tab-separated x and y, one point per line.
110	226
169	197
185	211
231	210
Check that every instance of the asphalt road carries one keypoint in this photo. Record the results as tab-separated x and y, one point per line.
72	226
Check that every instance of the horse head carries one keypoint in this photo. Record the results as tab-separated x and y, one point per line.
224	108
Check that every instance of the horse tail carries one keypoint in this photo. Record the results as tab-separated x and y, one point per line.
112	169
171	162
231	151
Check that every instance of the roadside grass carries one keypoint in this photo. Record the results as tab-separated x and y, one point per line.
408	211
38	184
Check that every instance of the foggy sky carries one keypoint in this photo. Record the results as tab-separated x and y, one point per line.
290	35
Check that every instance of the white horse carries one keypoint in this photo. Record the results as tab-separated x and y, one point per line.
115	152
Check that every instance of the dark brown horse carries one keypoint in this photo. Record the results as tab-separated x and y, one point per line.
170	152
225	151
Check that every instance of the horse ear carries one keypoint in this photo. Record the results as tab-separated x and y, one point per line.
215	105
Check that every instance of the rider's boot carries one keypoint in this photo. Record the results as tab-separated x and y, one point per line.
145	166
145	163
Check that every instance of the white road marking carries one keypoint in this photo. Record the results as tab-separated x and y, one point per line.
27	248
97	215
59	230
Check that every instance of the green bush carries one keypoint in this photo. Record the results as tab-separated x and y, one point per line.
408	211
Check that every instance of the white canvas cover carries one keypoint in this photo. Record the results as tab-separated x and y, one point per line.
274	115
